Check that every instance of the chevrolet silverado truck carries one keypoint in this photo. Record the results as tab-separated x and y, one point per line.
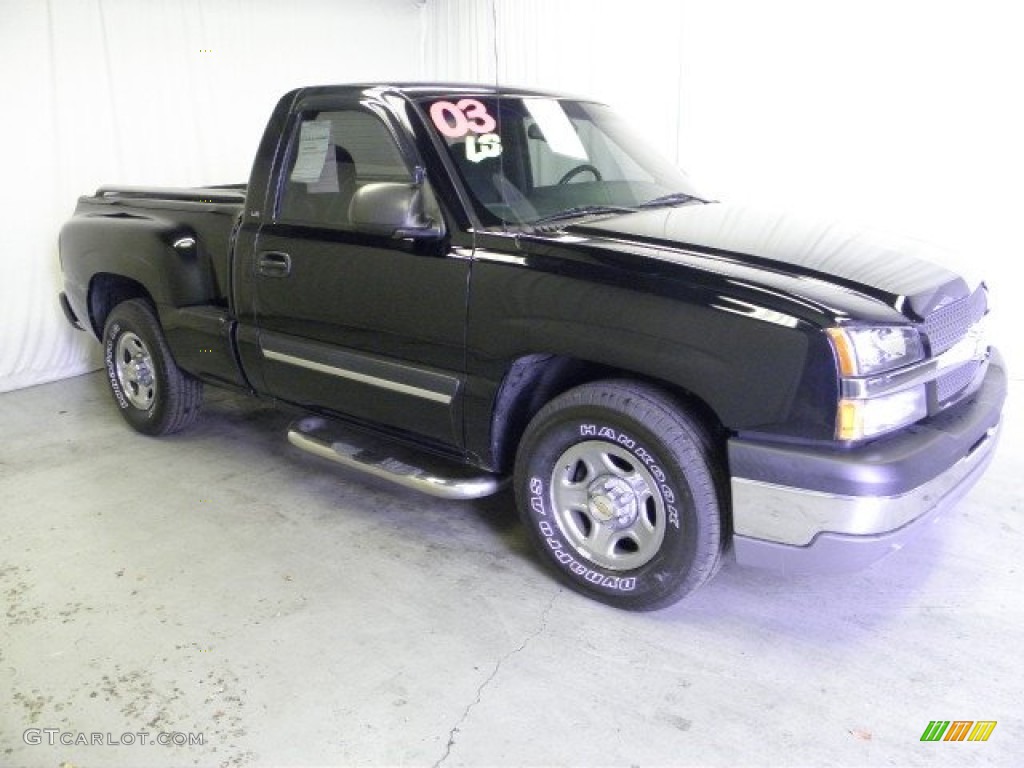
455	287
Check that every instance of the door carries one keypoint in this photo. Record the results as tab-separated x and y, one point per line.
350	321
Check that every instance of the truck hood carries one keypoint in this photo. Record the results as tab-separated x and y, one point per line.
899	271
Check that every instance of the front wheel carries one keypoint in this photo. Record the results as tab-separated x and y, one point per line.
616	485
154	396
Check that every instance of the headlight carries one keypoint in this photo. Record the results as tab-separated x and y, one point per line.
862	351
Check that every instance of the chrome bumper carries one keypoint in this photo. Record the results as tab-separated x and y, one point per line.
803	511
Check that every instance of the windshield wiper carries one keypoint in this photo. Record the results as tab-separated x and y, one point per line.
674	198
581	210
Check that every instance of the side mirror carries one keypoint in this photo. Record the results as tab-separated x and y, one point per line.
394	208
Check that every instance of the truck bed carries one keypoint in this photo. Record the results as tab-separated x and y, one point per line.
209	211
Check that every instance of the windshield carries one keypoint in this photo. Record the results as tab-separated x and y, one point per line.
529	160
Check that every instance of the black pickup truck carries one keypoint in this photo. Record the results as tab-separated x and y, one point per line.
458	285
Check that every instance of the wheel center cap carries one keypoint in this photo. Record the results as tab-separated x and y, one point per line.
612	501
142	372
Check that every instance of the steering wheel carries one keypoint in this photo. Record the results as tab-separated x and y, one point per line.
574	172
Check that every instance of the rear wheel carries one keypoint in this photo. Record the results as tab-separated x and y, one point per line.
616	485
154	396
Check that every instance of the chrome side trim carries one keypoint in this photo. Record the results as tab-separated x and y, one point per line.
363	378
795	516
499	258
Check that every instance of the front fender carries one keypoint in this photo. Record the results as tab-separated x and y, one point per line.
756	370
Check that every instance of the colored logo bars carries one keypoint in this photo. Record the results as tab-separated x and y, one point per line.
958	730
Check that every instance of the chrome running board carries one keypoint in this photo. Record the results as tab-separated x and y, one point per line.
375	456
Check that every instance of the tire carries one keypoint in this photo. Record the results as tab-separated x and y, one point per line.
154	396
617	487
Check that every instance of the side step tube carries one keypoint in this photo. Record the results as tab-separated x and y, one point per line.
404	466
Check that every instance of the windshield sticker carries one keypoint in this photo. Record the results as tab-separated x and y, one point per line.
455	120
314	135
482	147
556	127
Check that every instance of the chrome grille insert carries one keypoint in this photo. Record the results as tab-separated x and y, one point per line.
952	383
947	326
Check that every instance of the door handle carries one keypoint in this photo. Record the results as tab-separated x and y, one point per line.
274	264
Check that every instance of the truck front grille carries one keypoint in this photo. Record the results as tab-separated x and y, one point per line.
943	330
948	385
947	326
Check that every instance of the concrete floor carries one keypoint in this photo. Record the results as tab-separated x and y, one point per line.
222	583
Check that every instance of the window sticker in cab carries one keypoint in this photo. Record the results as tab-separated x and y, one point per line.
314	136
468	118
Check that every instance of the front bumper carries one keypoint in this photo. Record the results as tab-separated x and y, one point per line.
801	510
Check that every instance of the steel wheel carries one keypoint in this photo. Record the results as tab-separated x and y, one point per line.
618	486
154	395
607	505
134	365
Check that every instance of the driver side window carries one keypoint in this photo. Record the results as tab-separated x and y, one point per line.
332	154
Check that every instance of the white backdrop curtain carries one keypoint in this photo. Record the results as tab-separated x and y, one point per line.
625	53
152	92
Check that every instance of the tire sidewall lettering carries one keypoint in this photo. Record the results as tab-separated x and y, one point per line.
108	360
